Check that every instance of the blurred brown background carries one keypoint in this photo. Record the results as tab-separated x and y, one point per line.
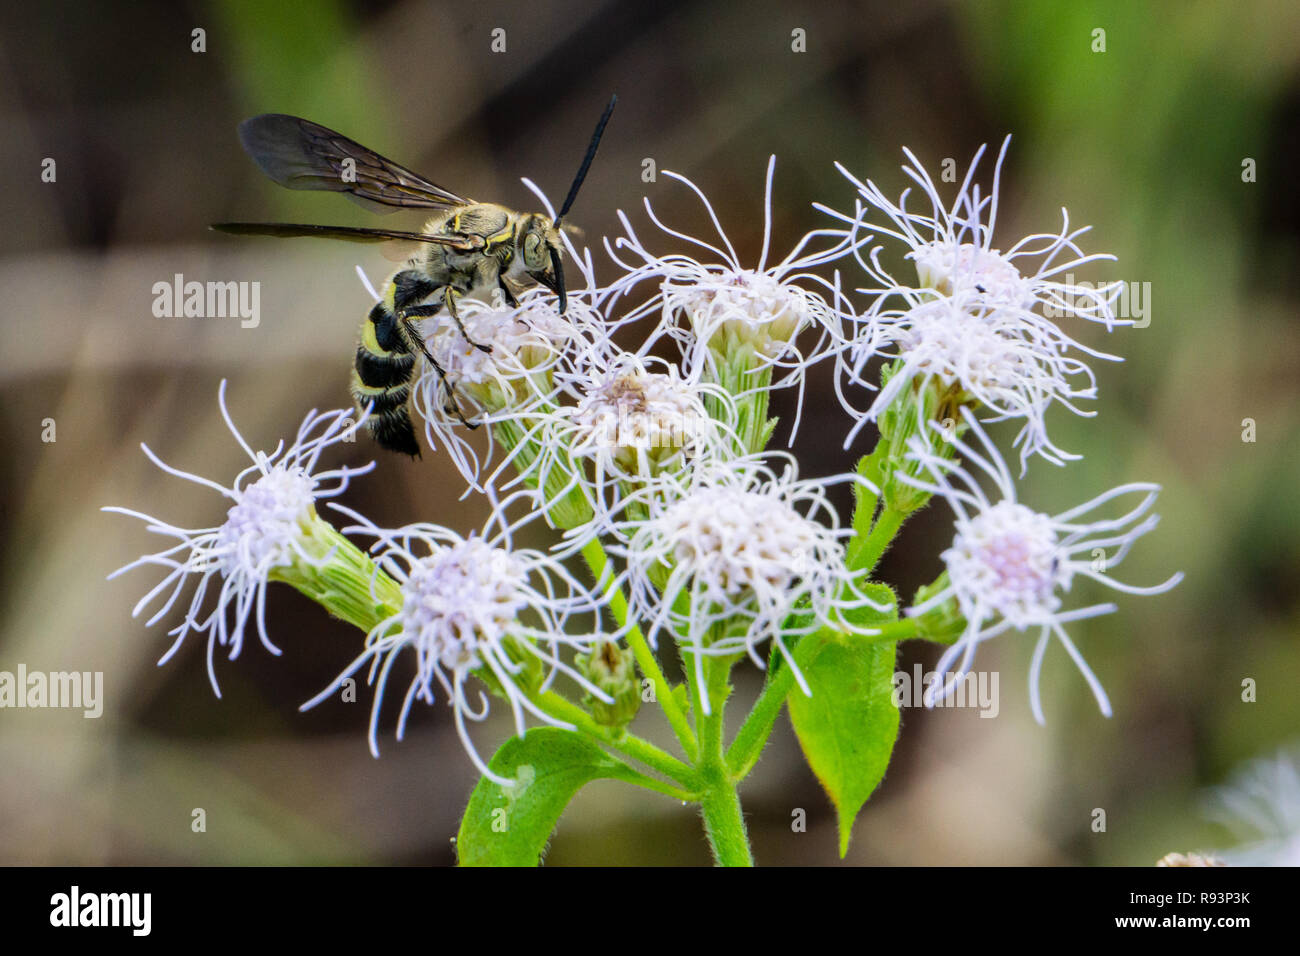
1145	141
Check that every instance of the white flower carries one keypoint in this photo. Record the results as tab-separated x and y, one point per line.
1008	357
991	355
630	424
629	410
269	526
722	564
952	248
472	606
1261	806
522	342
1009	567
727	307
1189	859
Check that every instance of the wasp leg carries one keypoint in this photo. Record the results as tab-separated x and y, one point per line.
507	294
433	308
454	409
416	339
419	311
450	296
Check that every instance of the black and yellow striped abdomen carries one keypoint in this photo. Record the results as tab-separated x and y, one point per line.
383	376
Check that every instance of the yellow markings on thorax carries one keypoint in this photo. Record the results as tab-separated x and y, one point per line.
506	234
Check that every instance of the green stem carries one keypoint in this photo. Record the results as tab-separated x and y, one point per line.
894	631
594	554
752	736
659	786
723	822
882	533
629	744
717	687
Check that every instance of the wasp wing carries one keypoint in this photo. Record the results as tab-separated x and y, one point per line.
300	154
293	230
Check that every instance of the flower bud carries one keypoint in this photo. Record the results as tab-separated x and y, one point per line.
907	419
612	669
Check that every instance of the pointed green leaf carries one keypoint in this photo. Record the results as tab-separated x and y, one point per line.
848	726
510	826
865	501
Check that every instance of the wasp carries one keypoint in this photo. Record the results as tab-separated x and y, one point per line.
466	248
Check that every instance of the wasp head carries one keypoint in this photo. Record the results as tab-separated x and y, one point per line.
541	253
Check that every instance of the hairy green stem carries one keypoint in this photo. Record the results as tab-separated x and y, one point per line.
626	743
723	821
724	824
882	533
895	631
659	786
754	732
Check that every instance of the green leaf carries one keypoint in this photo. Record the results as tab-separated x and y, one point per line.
848	726
510	826
865	501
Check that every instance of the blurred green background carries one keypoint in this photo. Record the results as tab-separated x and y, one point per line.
1146	141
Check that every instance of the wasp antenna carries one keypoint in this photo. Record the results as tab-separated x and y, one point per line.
557	264
586	160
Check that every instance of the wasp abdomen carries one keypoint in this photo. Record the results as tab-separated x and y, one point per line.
383	371
384	368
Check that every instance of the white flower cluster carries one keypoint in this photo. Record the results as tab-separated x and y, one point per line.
968	320
1260	807
475	606
722	563
725	550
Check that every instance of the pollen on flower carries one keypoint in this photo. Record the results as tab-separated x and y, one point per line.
632	410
